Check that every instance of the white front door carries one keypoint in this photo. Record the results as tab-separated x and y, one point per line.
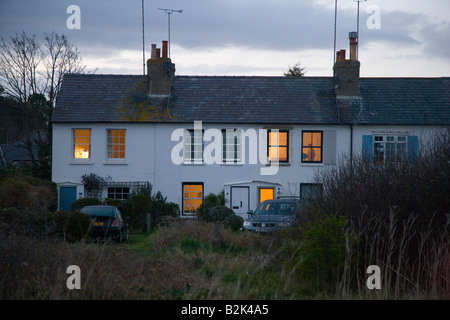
240	200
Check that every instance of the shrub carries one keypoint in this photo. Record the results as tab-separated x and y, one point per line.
137	207
27	193
234	222
211	200
323	249
217	214
70	226
79	204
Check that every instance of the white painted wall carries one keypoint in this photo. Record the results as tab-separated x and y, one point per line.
148	158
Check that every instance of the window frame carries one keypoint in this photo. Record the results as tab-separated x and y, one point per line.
309	184
312	147
287	131
193	159
115	193
383	156
74	144
110	144
183	184
237	146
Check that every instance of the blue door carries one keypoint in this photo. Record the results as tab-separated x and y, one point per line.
67	195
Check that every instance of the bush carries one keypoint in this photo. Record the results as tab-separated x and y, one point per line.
137	207
234	222
323	250
27	193
211	200
217	214
79	204
70	226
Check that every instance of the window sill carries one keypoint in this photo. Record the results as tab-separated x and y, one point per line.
81	162
312	164
280	164
115	162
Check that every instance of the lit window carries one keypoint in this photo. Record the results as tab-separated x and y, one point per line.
116	144
193	146
265	194
312	146
277	145
192	197
231	145
81	143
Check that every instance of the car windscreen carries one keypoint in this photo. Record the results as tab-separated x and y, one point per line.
276	208
99	211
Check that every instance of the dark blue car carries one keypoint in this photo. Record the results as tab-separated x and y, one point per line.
272	215
107	222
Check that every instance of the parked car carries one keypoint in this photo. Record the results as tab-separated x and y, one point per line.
107	222
272	215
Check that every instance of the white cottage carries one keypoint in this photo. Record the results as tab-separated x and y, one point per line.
252	137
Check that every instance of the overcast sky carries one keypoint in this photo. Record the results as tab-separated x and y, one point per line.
404	38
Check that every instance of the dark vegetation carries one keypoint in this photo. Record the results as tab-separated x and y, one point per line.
393	215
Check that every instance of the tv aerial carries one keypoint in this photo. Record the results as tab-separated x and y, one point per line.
169	12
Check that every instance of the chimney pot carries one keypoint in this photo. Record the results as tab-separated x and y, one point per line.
353	36
164	49
153	52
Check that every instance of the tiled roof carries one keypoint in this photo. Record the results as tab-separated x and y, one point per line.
222	99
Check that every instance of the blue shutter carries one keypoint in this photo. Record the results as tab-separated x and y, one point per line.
413	147
367	147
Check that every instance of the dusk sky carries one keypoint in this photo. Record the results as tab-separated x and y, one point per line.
398	38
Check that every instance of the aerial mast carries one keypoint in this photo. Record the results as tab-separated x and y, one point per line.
169	12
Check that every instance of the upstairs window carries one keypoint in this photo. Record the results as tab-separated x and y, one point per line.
193	146
81	143
389	147
116	144
312	143
231	145
278	145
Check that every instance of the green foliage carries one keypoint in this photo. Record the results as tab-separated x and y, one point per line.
70	226
323	249
211	200
234	222
78	204
217	213
26	192
137	207
144	201
295	71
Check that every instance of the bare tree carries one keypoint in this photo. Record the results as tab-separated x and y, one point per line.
60	57
19	61
29	67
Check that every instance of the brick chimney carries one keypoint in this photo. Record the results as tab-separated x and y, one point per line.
160	71
346	71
